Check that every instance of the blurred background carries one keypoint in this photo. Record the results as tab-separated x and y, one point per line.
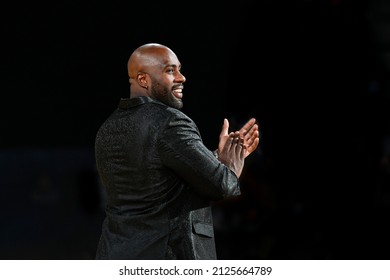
315	74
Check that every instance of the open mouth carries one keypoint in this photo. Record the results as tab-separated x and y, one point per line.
178	93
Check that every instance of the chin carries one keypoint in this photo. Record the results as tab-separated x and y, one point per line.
175	103
178	105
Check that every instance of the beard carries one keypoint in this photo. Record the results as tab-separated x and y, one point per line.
166	96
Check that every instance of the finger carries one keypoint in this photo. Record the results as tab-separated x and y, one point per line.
237	139
225	128
246	127
251	132
243	150
239	143
240	148
252	147
250	139
229	142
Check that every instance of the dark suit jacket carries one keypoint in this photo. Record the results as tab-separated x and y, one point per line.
159	180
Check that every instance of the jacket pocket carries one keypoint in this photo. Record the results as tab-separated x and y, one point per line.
203	229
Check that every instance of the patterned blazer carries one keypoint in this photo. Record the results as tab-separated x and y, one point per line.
159	179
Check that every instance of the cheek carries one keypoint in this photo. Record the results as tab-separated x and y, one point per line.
159	89
163	84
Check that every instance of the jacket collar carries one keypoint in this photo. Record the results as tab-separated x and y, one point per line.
126	103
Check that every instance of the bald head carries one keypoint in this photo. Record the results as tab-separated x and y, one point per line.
154	71
145	57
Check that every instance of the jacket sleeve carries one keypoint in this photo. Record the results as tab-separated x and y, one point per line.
182	150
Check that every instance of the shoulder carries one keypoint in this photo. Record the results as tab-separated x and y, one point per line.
171	116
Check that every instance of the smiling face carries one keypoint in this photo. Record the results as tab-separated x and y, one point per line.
154	71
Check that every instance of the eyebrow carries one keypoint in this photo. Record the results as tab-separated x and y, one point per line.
173	65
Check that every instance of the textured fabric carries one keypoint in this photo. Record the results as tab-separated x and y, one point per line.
159	180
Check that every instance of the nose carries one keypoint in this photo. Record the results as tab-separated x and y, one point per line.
180	77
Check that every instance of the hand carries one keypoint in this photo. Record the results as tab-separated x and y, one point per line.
249	132
233	153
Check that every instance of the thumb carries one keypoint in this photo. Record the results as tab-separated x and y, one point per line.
225	127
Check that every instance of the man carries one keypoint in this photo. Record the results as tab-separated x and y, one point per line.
158	175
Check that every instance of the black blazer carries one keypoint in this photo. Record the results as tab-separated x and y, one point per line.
159	180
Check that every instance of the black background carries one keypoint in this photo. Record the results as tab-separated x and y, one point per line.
313	73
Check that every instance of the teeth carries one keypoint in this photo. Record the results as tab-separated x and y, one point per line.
177	93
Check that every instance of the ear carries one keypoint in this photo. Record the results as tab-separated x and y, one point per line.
142	80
